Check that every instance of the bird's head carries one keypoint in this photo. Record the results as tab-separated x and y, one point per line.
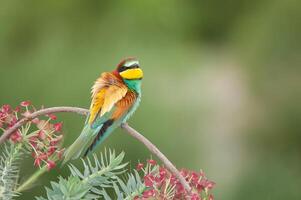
129	69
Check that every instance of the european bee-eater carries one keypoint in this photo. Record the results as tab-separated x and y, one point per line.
115	97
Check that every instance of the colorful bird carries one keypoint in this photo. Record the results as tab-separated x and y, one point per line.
115	97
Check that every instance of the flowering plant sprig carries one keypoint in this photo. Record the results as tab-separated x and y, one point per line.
161	184
40	136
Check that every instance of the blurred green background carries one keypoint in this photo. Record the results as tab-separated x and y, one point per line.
221	90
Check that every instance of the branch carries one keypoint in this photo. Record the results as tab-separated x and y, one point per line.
124	126
33	115
157	152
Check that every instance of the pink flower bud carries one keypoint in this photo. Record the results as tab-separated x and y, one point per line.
50	164
152	162
149	193
52	116
6	108
17	109
25	103
195	197
58	126
37	162
139	166
148	180
51	150
16	136
42	135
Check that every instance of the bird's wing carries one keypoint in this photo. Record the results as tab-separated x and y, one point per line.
124	105
106	92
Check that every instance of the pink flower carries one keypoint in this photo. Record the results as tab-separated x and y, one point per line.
17	109
162	175
37	162
149	193
195	197
52	116
148	180
211	197
58	126
209	184
136	198
51	150
11	120
6	108
42	135
50	164
16	136
43	156
139	166
152	162
25	103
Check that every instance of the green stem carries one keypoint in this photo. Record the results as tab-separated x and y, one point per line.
32	179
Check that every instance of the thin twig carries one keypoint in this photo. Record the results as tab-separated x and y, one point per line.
124	126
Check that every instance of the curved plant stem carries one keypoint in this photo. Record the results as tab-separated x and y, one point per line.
31	179
125	126
157	152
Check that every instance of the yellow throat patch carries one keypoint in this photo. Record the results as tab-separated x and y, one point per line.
135	73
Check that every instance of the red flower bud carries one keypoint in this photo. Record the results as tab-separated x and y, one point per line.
6	108
37	162
16	136
42	135
195	197
58	126
148	180
149	193
25	103
152	162
139	166
51	150
52	116
17	109
50	164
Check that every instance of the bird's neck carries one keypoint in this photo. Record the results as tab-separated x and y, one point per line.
134	85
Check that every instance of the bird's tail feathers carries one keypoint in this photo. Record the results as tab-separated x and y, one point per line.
80	145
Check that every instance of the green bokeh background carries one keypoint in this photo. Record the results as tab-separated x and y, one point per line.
221	90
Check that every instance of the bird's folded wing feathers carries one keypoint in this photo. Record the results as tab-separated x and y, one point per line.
106	92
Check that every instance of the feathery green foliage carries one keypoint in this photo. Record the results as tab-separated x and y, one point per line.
9	170
126	190
88	184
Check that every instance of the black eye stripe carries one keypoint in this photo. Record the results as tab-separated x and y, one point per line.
123	68
133	66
